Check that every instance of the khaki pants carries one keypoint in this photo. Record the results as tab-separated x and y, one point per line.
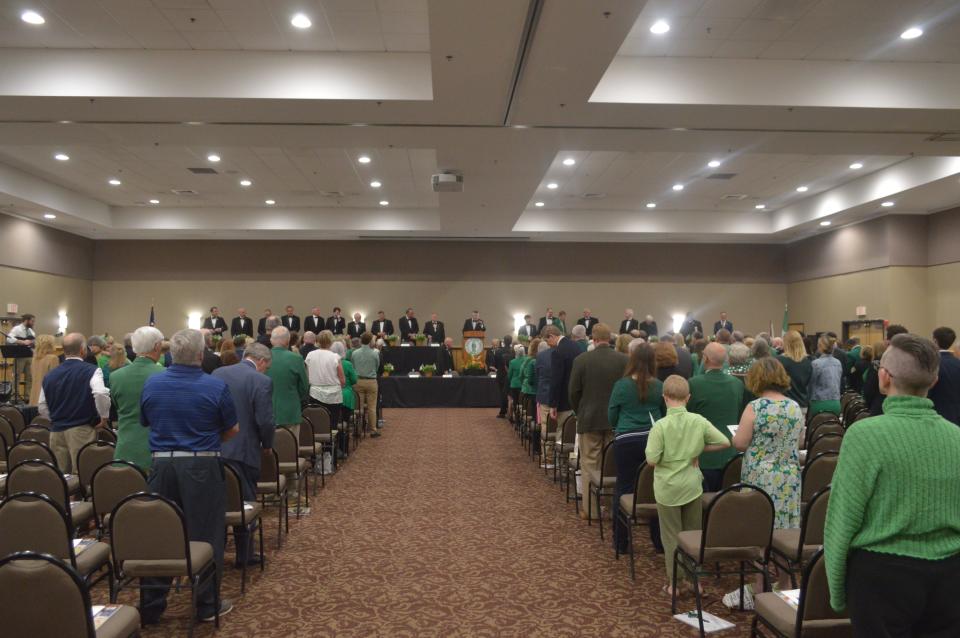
366	391
293	486
673	520
591	449
66	445
543	413
26	377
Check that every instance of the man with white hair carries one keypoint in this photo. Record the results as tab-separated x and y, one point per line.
210	360
309	343
579	336
628	324
126	386
269	323
649	326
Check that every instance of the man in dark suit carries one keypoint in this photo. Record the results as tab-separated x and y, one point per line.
528	329
241	324
445	357
629	323
290	321
210	360
565	350
491	356
548	320
434	330
409	326
474	322
501	360
649	326
588	321
723	324
215	323
315	323
690	325
335	323
252	393
946	393
382	326
262	323
356	327
269	323
684	359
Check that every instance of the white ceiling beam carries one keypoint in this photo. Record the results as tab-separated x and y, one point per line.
25	190
645	221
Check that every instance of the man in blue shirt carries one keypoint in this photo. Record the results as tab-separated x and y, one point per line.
189	414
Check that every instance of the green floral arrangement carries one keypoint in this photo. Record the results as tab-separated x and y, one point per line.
474	368
387	369
428	369
523	338
419	338
391	339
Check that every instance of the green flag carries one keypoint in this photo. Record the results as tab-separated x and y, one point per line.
786	322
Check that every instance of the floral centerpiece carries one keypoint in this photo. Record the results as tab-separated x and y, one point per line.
391	340
387	369
419	338
524	339
474	368
428	369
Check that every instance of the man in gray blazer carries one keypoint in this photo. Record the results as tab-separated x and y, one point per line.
252	393
591	382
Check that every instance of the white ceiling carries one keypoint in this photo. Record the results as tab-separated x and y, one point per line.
251	25
782	93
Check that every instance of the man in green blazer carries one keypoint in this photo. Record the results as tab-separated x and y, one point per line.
591	383
290	384
126	386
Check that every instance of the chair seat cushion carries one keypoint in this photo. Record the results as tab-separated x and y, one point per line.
689	543
82	513
252	512
594	477
321	438
644	511
776	611
92	558
73	484
200	555
785	542
294	468
270	487
307	451
123	623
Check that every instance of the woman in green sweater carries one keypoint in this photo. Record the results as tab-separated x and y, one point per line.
892	536
528	386
636	402
514	381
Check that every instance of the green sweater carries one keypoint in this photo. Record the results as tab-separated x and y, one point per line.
896	489
528	376
720	398
513	372
627	413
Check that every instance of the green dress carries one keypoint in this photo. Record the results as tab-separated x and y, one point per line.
350	374
513	372
133	440
771	461
290	385
528	376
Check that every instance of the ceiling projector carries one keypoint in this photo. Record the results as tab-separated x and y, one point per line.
447	182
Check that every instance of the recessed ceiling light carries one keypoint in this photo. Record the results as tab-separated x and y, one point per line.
49	216
802	189
154	201
911	33
553	186
569	161
826	222
384	202
62	157
651	204
760	206
678	187
713	163
114	182
269	202
301	21
245	182
32	17
375	184
887	204
363	159
659	27
856	166
538	204
213	157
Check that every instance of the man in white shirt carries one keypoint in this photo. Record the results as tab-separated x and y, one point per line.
22	334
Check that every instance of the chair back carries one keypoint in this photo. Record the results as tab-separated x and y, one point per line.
41	477
814	519
35	433
286	445
146	526
307	434
740	516
111	483
43	584
42	421
815	595
551	423
29	450
234	492
608	465
107	435
91	456
861	415
569	433
850	410
269	466
817	474
14	416
7	432
847	397
32	522
831	427
643	487
732	471
818	423
319	417
821	417
825	443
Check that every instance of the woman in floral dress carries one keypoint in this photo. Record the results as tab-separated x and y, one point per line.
769	433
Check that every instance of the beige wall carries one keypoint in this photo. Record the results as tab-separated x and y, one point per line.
36	247
45	296
943	285
123	305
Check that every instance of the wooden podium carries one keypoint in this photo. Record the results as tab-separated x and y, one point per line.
473	345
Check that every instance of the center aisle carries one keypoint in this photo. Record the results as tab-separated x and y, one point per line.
444	527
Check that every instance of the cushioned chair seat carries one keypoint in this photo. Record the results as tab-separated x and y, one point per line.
3	467
200	554
294	468
233	518
90	559
73	484
594	478
689	542
307	451
81	512
123	623
644	510
270	487
566	447
785	542
321	438
776	611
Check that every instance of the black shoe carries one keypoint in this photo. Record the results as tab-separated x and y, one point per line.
253	561
375	435
225	608
501	416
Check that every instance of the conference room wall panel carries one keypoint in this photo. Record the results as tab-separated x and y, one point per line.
121	305
45	296
39	248
943	286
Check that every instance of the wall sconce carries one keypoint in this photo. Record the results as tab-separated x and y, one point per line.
194	320
62	322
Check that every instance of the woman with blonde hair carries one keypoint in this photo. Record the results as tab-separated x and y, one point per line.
44	360
623	343
118	359
799	368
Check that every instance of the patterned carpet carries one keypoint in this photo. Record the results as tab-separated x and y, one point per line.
444	527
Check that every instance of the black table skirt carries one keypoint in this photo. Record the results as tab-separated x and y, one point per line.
439	392
409	358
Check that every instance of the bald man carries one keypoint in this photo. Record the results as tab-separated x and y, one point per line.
720	398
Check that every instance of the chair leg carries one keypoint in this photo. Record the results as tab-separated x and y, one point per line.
742	583
633	569
699	598
279	521
260	528
673	584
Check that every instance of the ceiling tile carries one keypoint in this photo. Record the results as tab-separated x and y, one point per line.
741	49
114	40
304	41
783	10
405	23
728	8
260	41
83	15
409	6
249	20
140	19
785	50
211	40
761	29
362	42
349	6
404	42
693	48
354	23
194	19
181	4
698	28
169	40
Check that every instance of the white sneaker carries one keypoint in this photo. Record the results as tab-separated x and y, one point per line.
732	599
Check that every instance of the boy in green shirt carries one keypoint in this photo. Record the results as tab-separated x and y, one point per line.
674	447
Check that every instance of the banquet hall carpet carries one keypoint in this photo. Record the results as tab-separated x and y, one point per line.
444	527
